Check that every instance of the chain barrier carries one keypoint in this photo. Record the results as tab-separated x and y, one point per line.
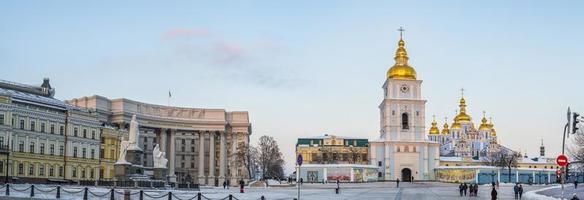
73	192
102	195
154	197
120	193
207	198
46	191
176	197
21	190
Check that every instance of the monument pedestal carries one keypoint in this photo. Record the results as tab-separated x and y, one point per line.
202	180
159	173
121	170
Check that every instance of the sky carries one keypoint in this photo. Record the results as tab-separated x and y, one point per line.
306	68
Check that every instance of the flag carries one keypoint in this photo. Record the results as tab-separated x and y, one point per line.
169	95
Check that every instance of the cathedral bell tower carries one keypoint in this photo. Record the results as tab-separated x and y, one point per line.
402	109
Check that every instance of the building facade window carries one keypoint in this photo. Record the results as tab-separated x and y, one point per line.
31	147
42	148
42	127
92	153
51	171
1	119
93	134
1	167
61	130
91	172
60	171
41	170
31	170
20	168
83	152
1	141
52	149
74	152
21	146
405	124
52	129
84	133
22	124
75	130
61	150
82	173
74	172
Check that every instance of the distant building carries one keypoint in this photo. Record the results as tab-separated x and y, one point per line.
330	149
330	158
46	139
201	144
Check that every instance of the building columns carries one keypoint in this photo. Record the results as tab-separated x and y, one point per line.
171	158
201	158
222	157
212	158
234	167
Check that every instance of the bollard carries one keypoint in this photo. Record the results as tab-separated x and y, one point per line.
32	191
230	197
141	195
7	189
85	194
112	194
169	195
199	196
127	194
58	191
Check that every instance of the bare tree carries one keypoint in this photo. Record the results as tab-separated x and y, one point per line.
504	159
270	158
246	155
576	152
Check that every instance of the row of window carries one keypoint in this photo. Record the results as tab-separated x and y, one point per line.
41	171
52	128
31	148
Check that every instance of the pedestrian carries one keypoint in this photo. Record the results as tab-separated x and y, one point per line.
397	181
575	184
241	184
229	183
470	190
516	190
460	189
412	179
224	184
574	197
497	184
520	190
476	189
338	186
464	187
493	194
301	181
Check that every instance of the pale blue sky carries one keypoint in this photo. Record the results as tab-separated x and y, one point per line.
305	68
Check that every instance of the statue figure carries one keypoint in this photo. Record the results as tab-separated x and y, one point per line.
159	157
123	149
133	135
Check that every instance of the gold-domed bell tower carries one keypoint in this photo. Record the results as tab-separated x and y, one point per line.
401	69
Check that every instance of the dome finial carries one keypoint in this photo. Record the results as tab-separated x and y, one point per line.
434	129
401	69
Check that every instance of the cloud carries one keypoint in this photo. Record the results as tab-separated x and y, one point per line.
228	53
185	33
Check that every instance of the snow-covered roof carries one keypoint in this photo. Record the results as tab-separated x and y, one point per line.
37	99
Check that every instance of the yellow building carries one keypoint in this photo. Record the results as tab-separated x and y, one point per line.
110	150
331	149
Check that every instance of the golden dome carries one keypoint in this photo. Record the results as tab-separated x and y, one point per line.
434	130
445	130
484	125
493	132
455	125
401	69
462	116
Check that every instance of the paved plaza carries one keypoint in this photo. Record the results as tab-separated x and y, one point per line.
377	190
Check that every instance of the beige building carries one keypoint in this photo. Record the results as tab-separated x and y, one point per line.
201	144
330	149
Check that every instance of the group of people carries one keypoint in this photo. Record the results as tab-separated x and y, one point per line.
518	189
473	189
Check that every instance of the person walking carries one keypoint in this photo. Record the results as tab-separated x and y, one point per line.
224	184
493	194
241	185
575	184
338	186
520	191
460	189
464	188
397	182
516	191
470	190
476	190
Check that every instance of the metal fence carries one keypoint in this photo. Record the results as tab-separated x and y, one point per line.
88	194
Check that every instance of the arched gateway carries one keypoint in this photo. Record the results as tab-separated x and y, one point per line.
406	175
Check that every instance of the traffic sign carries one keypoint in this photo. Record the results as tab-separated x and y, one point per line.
299	160
562	160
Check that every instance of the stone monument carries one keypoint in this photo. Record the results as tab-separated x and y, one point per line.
129	164
159	169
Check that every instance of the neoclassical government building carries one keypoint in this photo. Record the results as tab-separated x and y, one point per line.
202	145
402	149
